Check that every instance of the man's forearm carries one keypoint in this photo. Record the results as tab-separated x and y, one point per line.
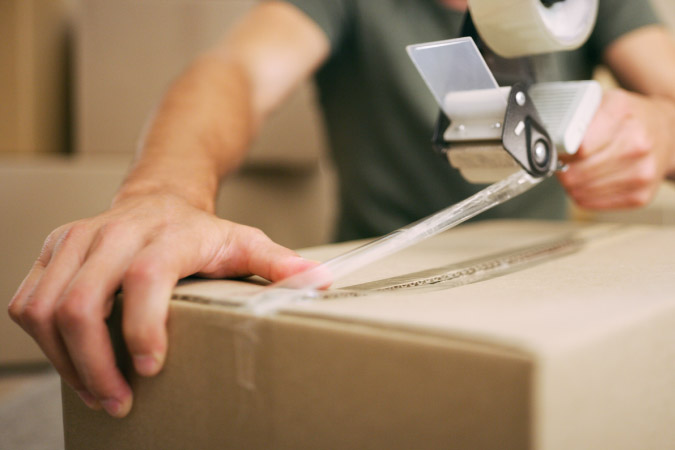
644	61
199	132
203	126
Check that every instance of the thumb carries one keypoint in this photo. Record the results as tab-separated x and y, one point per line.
252	252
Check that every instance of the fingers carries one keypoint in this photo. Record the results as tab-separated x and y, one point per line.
16	304
147	287
232	250
600	165
88	342
616	200
83	308
34	305
605	124
621	174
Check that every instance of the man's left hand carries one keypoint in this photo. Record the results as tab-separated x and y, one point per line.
628	150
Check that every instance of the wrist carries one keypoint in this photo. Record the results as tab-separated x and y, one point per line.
204	203
197	189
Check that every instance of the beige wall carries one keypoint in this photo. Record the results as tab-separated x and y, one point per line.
33	93
146	45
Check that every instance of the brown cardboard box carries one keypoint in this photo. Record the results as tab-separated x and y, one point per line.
128	52
41	193
37	195
572	347
33	75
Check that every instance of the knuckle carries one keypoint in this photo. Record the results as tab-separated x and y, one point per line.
256	235
641	144
77	229
75	310
567	180
35	315
114	228
113	232
73	233
638	151
49	243
573	182
646	174
14	309
144	271
53	237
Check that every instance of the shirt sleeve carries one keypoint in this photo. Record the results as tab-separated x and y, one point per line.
332	16
619	17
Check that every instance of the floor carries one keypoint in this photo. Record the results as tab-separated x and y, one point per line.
30	409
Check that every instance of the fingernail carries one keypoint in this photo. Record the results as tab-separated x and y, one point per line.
148	365
304	261
116	408
89	399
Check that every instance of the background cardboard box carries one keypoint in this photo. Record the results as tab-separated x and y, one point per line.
33	75
549	355
37	195
41	193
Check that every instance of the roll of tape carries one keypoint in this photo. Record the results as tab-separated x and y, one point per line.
513	28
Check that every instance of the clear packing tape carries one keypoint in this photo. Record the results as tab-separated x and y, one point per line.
513	28
306	286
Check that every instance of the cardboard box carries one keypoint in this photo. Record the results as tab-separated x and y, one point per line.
129	51
33	49
666	9
508	335
39	194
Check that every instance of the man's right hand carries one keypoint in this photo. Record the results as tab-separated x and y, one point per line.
143	244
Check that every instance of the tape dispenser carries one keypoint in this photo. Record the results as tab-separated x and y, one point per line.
489	132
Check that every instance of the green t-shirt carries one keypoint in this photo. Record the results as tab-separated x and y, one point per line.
380	115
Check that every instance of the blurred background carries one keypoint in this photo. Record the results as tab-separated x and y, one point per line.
78	79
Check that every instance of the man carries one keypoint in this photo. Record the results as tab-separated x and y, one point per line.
161	225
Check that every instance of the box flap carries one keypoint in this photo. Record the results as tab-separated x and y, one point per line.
594	279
